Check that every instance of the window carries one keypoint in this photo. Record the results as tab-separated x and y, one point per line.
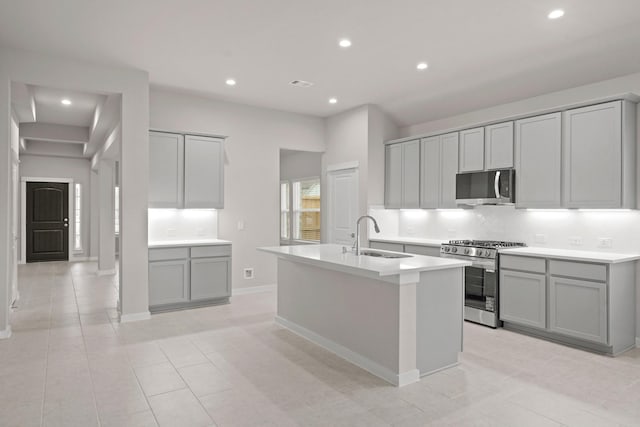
116	205
77	221
300	210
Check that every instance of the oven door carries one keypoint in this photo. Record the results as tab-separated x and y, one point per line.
480	288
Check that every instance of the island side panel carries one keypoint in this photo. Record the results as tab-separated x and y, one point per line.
358	313
440	301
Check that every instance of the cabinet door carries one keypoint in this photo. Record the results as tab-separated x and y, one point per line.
448	170
168	282
498	147
471	150
423	250
203	172
386	246
578	308
523	298
430	172
538	151
411	174
210	278
393	176
593	156
166	162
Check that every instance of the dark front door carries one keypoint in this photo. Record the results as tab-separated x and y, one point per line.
47	221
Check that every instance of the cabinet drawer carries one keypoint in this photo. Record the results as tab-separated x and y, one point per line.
422	250
210	251
168	253
536	265
393	247
582	270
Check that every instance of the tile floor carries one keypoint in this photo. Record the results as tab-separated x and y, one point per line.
70	363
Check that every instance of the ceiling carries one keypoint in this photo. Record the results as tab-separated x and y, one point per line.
49	108
480	53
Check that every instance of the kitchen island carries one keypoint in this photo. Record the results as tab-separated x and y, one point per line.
398	318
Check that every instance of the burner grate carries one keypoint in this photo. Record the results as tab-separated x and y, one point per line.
486	243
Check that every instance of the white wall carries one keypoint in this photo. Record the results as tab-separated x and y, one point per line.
299	164
252	167
381	129
63	73
79	171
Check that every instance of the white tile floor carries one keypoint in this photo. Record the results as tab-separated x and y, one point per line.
70	363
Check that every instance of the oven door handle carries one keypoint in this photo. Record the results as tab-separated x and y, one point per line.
496	185
489	270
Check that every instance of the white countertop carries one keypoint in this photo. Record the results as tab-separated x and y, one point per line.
409	240
572	255
330	255
155	244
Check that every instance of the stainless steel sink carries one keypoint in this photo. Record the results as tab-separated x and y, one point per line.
368	252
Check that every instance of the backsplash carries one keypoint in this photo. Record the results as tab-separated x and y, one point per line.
563	229
182	224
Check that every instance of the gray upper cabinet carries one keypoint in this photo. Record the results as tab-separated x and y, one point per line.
166	170
538	153
402	175
185	171
599	156
438	168
498	146
471	151
203	172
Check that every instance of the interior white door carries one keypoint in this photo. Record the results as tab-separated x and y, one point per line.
342	205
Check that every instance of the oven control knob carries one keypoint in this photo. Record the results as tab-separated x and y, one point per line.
480	253
454	250
447	248
466	251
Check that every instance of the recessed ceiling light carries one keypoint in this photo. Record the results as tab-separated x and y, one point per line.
231	82
345	43
555	14
422	66
333	100
65	101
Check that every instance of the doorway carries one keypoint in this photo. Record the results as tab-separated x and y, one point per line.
47	221
342	204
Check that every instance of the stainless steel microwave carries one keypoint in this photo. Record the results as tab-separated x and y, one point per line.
486	188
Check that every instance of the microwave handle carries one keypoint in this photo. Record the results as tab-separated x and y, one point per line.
496	185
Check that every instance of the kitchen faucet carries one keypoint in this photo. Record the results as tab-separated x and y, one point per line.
375	227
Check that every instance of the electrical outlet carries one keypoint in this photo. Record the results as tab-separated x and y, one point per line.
451	232
200	231
171	232
575	241
248	273
240	225
540	238
605	242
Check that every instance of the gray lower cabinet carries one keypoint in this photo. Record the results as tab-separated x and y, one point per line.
168	282
578	308
183	277
422	250
523	298
210	278
585	304
385	246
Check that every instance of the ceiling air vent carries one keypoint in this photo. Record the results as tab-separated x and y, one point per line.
300	83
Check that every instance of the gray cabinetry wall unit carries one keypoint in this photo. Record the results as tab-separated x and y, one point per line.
579	156
588	305
185	171
471	152
428	250
438	168
599	156
538	154
185	277
402	175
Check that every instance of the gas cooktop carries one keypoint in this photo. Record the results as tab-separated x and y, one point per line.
476	248
486	243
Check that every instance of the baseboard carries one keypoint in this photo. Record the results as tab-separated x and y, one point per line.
135	317
6	333
106	272
254	289
79	259
637	342
92	258
365	363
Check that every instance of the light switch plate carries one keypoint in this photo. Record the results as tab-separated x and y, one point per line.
575	241
240	225
540	238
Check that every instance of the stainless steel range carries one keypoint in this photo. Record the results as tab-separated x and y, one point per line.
481	279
